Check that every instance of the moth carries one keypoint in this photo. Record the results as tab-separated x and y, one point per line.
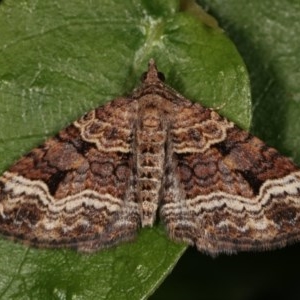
111	172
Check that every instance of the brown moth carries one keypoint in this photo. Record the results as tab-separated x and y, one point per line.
106	175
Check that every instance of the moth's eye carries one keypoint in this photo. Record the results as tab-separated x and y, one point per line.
161	76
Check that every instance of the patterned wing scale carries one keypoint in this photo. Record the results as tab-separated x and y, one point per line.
231	192
100	179
76	190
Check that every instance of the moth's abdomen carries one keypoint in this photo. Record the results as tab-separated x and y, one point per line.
150	137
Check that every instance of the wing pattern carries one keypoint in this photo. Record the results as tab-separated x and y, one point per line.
76	190
233	193
103	177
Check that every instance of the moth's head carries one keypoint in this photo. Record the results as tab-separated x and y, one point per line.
152	76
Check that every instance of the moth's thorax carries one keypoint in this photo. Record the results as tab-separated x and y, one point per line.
151	136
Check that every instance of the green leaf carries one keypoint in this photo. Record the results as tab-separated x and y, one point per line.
59	59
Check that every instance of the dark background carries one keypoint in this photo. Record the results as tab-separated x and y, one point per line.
247	276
